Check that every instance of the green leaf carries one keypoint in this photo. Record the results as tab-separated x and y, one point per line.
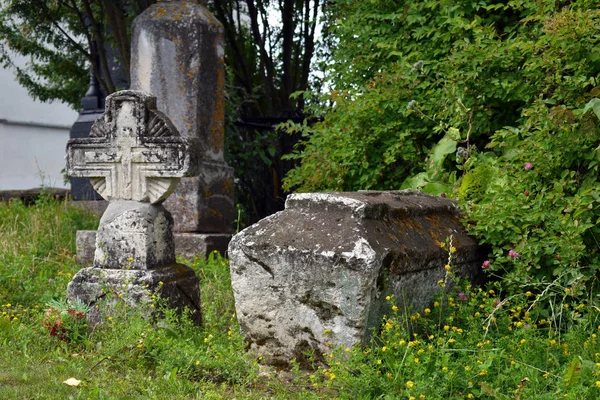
444	147
573	372
594	104
436	188
416	182
454	133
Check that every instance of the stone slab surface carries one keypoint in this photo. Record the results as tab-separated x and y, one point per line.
204	203
187	245
178	56
327	262
97	286
191	245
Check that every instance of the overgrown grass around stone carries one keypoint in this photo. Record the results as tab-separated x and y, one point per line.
472	343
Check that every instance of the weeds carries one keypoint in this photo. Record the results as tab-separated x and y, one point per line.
474	343
471	342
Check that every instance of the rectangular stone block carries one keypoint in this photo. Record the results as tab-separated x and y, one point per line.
327	262
204	203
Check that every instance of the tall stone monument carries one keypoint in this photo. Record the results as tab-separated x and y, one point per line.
177	55
134	158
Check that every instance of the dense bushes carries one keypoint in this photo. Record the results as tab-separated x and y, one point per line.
485	101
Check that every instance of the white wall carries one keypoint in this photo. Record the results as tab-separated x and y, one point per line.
33	136
31	156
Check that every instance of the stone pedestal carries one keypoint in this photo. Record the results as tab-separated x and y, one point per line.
134	235
176	282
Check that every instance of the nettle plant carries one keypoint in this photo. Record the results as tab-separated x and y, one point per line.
489	102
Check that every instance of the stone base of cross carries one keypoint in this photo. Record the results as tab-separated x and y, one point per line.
100	287
134	158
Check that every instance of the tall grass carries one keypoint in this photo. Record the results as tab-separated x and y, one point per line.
129	355
37	248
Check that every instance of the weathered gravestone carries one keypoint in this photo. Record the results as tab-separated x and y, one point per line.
177	55
318	272
134	158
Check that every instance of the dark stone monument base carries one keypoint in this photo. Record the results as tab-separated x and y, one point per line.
191	245
204	203
187	245
176	282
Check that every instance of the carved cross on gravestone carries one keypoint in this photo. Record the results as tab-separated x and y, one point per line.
133	153
134	157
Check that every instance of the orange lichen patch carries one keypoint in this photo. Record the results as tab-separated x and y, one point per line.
433	218
228	186
215	213
409	225
159	12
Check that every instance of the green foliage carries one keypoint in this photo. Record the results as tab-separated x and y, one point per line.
542	201
37	249
404	76
435	179
26	28
60	42
504	87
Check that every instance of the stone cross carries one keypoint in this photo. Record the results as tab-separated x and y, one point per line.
133	153
134	158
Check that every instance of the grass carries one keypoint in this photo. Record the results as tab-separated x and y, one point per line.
472	343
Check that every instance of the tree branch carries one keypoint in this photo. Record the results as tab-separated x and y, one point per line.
105	77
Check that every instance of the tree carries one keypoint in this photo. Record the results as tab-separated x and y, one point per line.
62	38
270	51
269	60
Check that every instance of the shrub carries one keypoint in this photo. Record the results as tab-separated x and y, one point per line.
458	98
